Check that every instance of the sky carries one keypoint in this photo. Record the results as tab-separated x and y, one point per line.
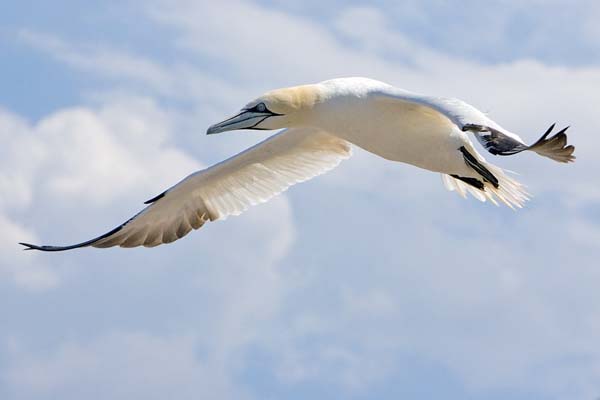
369	282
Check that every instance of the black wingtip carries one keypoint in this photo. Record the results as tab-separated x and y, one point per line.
156	198
29	246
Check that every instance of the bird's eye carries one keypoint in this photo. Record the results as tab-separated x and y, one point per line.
261	107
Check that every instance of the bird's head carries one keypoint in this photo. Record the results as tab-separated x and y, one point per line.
281	108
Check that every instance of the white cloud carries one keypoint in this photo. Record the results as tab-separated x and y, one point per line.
17	146
28	273
303	50
109	62
488	32
90	155
120	366
120	149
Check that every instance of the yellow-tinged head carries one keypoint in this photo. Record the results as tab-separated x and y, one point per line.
281	108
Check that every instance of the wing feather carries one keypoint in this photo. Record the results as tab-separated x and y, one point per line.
227	188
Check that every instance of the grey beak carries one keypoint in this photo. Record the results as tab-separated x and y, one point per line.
244	120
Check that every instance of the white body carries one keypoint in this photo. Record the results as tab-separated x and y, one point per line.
398	131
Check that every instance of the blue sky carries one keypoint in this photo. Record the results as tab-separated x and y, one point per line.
369	282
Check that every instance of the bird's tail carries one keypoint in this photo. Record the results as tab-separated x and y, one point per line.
508	191
554	147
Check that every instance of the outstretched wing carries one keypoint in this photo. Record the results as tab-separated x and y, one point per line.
492	136
228	188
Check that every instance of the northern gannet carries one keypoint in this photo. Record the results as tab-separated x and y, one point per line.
320	123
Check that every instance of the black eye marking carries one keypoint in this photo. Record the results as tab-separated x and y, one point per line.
261	108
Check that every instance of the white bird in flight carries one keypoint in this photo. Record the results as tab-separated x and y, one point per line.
321	122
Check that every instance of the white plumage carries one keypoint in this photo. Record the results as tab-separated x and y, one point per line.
322	121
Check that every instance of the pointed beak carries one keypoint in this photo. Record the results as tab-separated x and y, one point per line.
244	120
